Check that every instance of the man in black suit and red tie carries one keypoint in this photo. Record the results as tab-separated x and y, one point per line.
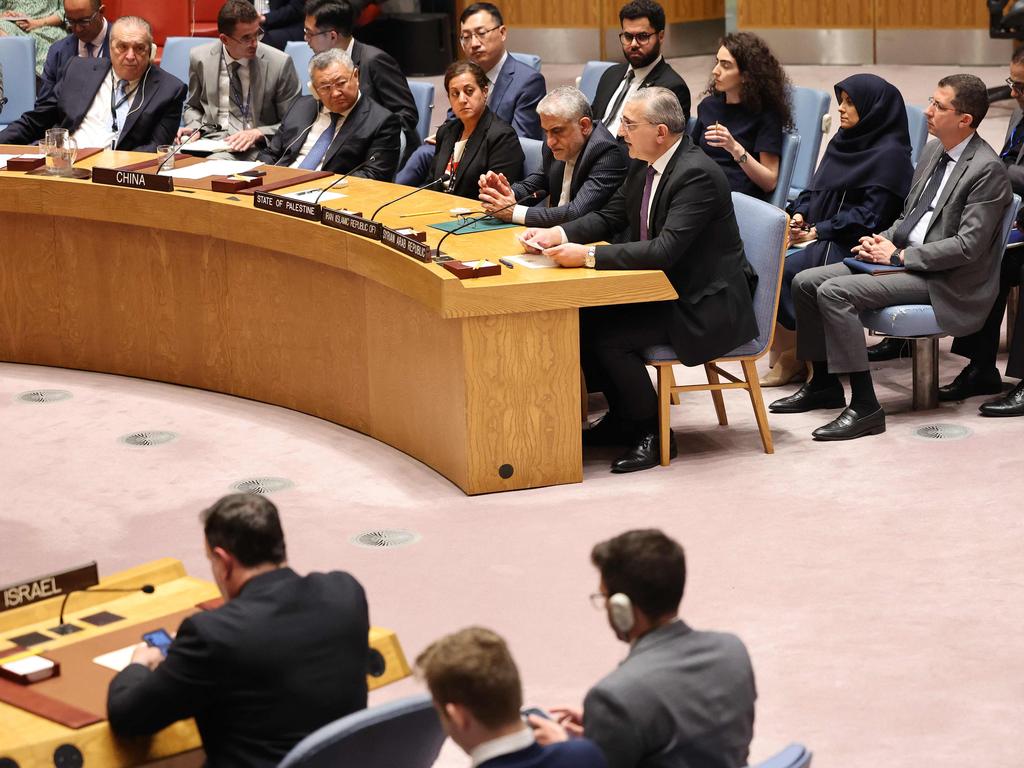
674	213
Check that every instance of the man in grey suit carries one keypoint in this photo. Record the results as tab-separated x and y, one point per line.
682	698
582	167
948	240
239	84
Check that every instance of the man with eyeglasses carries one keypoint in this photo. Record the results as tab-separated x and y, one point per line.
89	39
947	240
681	697
337	128
980	376
329	25
643	31
515	91
239	84
121	103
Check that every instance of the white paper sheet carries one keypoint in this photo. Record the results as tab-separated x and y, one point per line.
206	145
479	264
532	261
212	168
309	195
116	660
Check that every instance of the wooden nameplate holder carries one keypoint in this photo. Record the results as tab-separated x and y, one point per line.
464	271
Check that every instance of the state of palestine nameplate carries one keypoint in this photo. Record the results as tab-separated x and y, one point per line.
116	177
300	209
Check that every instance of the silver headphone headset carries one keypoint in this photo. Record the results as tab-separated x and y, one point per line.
620	613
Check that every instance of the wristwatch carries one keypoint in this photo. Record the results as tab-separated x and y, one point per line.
742	158
590	260
896	259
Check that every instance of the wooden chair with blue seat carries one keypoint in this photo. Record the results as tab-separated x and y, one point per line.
764	229
423	95
18	66
300	54
591	76
917	124
176	53
811	121
529	59
533	151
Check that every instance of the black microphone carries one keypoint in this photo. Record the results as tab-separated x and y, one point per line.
444	177
363	164
174	149
531	196
66	629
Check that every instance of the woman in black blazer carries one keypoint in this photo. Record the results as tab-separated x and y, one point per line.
475	140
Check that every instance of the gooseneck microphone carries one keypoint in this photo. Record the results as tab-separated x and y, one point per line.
362	165
520	201
443	178
149	589
174	149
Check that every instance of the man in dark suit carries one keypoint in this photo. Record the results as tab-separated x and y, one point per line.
515	91
582	167
643	31
674	212
285	654
282	20
980	376
338	128
682	697
329	25
89	39
948	240
121	102
475	686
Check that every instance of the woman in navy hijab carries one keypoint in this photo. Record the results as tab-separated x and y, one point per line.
858	190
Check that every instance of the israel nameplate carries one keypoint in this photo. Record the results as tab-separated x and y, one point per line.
44	587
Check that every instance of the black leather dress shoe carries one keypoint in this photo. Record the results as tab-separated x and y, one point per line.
606	431
807	399
644	455
889	349
972	381
1010	405
850	424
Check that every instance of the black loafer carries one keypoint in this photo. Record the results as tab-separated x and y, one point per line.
850	424
970	382
644	455
1010	405
606	431
889	349
807	399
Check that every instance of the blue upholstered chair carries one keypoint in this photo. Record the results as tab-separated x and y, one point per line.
301	54
423	95
787	164
811	120
532	148
528	59
764	229
918	125
917	322
403	733
18	62
591	76
793	756
176	51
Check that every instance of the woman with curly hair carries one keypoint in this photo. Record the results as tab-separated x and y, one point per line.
740	123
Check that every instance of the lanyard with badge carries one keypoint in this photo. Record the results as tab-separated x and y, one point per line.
244	106
116	105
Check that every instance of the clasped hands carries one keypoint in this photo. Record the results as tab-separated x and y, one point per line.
874	248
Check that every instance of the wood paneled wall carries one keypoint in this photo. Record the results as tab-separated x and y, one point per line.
861	14
588	13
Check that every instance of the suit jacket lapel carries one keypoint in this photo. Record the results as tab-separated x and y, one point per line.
959	168
652	76
138	103
257	74
347	129
357	53
556	177
99	69
505	77
659	193
473	145
105	47
212	83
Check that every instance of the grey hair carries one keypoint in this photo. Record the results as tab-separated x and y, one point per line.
133	21
567	103
329	58
661	107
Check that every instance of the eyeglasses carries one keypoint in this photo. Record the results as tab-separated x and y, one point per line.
932	102
325	89
641	37
599	601
466	37
1015	85
250	39
307	35
629	126
73	23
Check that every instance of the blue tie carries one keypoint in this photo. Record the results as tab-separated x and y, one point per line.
319	150
122	105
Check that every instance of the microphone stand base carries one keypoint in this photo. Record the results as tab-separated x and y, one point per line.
66	629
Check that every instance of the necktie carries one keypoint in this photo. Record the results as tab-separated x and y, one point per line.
238	104
614	110
319	150
1012	146
645	201
902	235
122	103
90	49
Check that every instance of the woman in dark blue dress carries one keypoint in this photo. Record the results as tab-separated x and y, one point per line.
858	190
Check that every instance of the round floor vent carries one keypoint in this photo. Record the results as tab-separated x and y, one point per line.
262	485
385	538
942	432
44	396
152	437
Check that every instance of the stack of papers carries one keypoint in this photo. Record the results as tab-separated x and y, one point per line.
212	168
206	146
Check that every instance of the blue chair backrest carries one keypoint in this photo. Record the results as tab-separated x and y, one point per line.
1009	219
591	76
690	125
301	54
423	95
763	228
18	61
528	59
176	51
809	109
918	125
405	733
787	164
793	756
532	148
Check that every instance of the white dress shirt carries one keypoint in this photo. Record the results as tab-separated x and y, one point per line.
503	745
323	123
228	120
97	43
97	127
492	75
612	121
917	234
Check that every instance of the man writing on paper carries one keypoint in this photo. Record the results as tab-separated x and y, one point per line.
582	167
240	84
89	39
123	103
283	656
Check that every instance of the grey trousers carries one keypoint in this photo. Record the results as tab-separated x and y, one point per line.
828	302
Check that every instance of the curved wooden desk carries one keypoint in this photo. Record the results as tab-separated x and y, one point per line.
478	379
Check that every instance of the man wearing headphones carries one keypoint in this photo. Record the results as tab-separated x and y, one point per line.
681	696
